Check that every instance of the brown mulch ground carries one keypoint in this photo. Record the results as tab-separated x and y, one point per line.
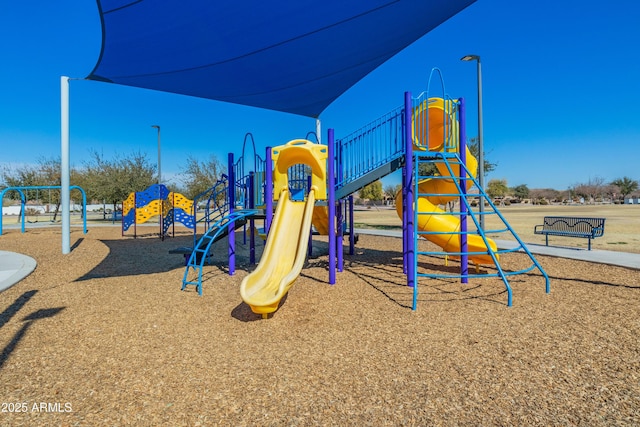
104	336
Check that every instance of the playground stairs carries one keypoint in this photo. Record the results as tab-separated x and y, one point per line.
201	250
451	161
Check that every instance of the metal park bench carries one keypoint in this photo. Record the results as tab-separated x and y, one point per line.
568	226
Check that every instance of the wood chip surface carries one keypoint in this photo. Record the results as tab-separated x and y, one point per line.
103	336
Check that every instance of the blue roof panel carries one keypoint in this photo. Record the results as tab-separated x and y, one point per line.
294	56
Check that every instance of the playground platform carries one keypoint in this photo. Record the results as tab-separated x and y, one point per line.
15	267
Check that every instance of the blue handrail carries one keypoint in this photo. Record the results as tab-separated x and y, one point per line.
370	147
215	206
203	246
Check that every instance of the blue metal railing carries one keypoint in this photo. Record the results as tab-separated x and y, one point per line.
241	174
214	202
369	148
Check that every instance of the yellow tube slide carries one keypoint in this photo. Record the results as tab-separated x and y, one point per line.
440	127
320	220
283	256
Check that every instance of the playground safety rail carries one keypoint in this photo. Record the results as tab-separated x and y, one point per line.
201	250
215	207
369	153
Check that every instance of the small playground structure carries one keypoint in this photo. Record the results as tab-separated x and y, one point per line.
157	201
24	190
247	194
312	184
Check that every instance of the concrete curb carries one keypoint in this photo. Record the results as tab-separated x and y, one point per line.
13	268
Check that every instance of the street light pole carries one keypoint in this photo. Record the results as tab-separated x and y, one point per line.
159	163
480	139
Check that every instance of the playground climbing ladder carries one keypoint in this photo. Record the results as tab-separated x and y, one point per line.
452	162
202	248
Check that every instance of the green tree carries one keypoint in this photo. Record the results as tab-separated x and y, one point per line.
111	181
474	148
46	172
521	191
372	191
199	176
429	169
497	188
426	169
390	191
24	176
591	190
625	186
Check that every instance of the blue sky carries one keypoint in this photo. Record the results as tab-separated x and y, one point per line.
560	89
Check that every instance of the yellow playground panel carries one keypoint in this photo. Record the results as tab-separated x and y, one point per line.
300	151
180	201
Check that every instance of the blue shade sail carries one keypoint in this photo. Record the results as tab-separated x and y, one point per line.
294	56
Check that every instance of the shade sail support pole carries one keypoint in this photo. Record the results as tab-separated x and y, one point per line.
64	164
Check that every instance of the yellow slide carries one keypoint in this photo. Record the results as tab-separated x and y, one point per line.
283	256
439	221
286	248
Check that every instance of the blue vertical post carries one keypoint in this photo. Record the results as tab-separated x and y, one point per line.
462	148
339	217
173	210
332	206
339	153
135	215
352	234
160	201
310	245
268	191
339	246
23	200
410	230
232	203
252	221
405	233
23	206
408	193
244	189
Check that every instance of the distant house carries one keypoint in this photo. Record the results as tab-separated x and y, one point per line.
632	200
